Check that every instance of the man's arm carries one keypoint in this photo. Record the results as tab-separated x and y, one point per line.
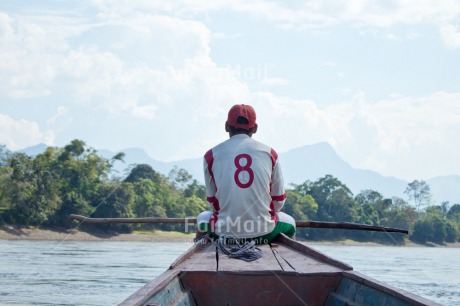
209	180
277	193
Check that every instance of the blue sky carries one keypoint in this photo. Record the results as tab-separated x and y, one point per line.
378	80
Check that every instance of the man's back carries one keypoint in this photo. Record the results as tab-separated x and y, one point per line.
242	175
244	185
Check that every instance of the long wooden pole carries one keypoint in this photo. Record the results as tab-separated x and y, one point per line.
349	226
190	221
89	220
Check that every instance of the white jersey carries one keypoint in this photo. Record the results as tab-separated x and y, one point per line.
244	186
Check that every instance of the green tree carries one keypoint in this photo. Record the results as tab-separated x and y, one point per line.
73	150
373	206
4	156
419	193
31	189
193	206
300	206
437	215
335	203
452	231
179	177
4	179
454	213
374	199
143	171
120	156
195	189
423	230
149	201
399	215
81	172
439	229
431	228
118	202
340	206
407	211
72	203
334	199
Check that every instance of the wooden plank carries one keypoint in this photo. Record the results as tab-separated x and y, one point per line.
335	299
285	265
203	259
301	262
409	297
289	273
267	262
362	294
141	296
173	293
196	248
302	248
262	288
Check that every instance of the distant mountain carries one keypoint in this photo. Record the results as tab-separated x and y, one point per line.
445	188
309	162
139	156
34	150
135	156
314	161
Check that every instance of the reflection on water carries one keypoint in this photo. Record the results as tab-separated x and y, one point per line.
105	273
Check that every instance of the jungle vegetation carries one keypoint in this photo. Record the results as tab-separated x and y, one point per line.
43	190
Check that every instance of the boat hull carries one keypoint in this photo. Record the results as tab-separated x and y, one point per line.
289	273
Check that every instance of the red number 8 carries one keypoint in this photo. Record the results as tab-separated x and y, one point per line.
240	168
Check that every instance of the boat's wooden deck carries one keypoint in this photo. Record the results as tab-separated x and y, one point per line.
289	273
277	257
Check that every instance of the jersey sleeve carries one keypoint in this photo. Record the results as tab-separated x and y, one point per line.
277	191
209	181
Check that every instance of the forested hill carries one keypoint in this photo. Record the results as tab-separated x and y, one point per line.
42	190
309	162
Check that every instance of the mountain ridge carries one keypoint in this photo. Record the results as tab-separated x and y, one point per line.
308	162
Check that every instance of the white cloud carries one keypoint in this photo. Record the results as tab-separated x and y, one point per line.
401	136
18	134
152	60
137	66
450	36
309	14
285	122
141	66
393	37
365	16
31	48
60	113
274	82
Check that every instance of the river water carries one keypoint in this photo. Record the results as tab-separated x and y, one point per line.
105	273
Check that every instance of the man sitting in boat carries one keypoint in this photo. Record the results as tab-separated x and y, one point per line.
244	185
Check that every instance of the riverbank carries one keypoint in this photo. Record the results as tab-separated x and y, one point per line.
9	232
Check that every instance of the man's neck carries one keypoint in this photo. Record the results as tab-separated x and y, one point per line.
246	134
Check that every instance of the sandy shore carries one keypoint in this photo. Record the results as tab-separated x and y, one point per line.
8	232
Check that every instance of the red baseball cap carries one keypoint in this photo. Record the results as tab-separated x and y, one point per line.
241	110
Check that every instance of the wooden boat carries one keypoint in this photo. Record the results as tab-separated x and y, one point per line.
288	273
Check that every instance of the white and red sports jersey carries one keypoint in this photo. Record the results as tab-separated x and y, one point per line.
244	186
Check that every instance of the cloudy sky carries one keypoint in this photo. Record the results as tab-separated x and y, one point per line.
378	80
